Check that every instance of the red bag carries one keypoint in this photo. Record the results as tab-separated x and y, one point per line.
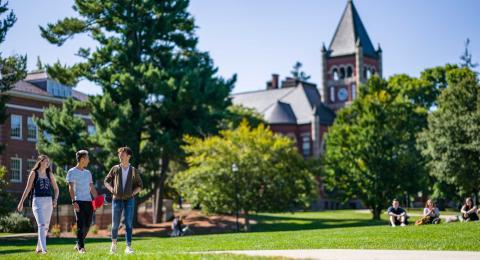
98	202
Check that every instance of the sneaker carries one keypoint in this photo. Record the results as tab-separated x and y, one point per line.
82	251
75	247
402	225
113	249
393	225
128	250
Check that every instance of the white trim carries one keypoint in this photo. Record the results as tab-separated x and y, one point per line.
20	170
21	128
36	109
15	93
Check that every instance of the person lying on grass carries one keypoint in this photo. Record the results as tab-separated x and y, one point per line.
469	210
398	216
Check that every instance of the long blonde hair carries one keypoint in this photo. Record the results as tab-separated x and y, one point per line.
39	161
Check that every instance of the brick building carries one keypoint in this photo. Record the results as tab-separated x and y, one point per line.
27	100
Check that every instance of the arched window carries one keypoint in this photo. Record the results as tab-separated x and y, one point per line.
335	74
369	73
349	72
373	71
342	73
364	72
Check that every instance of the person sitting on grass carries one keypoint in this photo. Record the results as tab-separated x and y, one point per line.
469	210
398	216
177	229
431	213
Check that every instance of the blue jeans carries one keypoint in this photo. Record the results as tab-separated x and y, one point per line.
127	206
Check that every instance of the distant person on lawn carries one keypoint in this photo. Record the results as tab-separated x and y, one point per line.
431	214
124	182
81	189
398	216
469	210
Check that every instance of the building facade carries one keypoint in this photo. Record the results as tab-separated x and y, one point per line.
27	100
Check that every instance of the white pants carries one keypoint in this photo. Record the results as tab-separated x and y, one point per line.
42	210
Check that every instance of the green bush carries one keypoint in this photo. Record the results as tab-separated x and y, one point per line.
94	229
56	230
15	223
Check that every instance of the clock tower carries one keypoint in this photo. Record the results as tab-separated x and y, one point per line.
349	61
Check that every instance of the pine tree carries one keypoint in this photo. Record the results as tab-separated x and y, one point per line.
157	86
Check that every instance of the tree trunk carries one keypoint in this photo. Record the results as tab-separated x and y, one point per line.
247	221
376	211
160	191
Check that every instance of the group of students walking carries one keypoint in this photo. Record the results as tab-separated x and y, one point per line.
431	215
123	181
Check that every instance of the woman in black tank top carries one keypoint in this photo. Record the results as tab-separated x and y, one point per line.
39	184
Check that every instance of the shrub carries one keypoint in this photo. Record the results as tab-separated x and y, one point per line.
15	223
56	230
73	229
94	229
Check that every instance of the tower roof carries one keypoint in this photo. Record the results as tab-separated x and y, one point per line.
349	31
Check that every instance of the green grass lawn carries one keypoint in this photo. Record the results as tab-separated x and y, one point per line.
309	230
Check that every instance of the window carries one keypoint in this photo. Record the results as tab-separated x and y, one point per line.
47	136
349	72
335	74
16	126
354	91
306	144
15	170
332	94
365	72
369	73
32	129
30	164
91	130
342	73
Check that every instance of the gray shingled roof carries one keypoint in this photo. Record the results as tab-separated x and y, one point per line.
349	30
280	113
301	101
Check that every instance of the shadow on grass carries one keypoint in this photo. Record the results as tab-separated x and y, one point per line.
285	223
31	242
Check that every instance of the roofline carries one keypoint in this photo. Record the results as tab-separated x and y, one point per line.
338	26
21	94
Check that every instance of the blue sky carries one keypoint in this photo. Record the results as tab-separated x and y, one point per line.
257	38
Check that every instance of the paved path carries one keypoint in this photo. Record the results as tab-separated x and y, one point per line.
348	254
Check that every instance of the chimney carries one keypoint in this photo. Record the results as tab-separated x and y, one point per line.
273	84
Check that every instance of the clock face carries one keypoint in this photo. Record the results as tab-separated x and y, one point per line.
342	94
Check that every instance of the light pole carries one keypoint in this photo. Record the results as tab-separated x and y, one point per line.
235	170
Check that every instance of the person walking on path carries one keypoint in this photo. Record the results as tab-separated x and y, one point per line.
81	188
124	182
39	184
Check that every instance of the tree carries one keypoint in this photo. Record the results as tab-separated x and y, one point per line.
7	203
157	86
298	73
61	135
452	140
371	149
12	68
236	114
270	174
39	64
466	58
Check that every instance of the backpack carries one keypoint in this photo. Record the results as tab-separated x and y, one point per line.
32	190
